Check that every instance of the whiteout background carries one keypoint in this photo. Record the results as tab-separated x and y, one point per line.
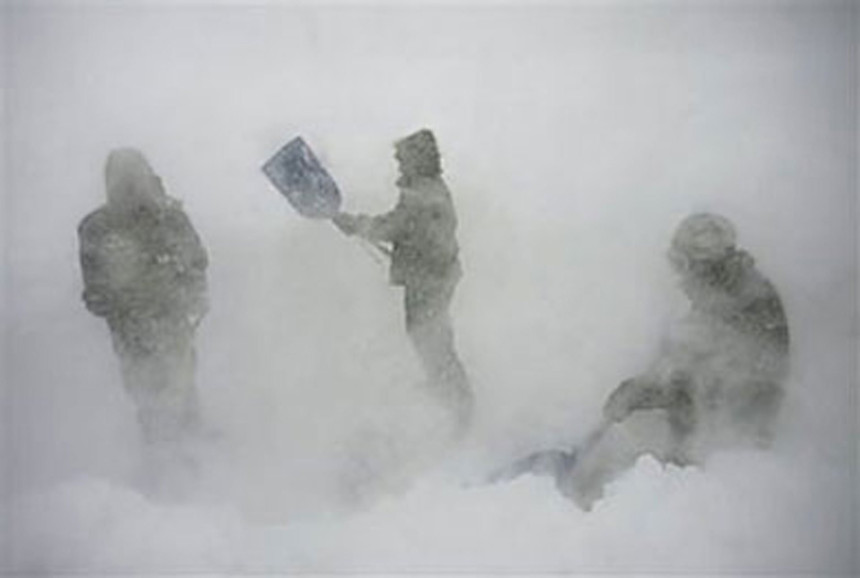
574	140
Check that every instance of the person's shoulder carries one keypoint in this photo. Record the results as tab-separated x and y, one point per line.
173	211
754	281
95	222
760	299
428	190
176	221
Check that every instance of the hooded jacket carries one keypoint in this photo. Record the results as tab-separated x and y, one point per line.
421	229
143	263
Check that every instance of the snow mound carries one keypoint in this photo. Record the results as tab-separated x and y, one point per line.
748	512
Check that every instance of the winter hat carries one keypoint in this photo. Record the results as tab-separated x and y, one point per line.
703	237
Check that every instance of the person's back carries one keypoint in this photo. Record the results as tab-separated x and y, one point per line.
148	265
143	268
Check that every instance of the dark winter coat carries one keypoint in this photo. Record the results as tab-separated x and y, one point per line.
422	232
144	271
726	361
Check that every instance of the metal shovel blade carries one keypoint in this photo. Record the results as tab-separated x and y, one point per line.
299	176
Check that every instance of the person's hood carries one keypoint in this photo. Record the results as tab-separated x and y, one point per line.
418	156
130	180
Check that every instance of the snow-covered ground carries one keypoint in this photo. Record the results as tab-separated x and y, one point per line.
748	513
574	140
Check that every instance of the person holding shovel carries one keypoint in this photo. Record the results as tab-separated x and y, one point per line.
420	233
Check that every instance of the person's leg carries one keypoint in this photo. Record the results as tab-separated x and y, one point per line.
429	327
616	451
681	413
144	375
755	410
179	401
162	386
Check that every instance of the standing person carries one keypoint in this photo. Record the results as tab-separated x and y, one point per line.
421	233
144	272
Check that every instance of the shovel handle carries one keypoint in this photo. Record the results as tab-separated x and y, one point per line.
368	245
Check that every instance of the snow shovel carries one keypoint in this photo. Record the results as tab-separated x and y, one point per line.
299	176
309	188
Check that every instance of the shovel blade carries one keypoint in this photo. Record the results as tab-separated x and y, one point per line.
299	176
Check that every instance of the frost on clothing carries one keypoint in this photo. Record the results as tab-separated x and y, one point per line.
144	270
719	378
421	233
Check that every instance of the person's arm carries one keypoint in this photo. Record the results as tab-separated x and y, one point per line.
194	262
383	228
634	394
765	316
98	295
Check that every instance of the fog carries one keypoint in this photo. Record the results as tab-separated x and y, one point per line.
574	139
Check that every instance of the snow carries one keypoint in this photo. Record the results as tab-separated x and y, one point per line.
654	519
574	139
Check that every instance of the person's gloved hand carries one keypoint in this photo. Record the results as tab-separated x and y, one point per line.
621	402
348	224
